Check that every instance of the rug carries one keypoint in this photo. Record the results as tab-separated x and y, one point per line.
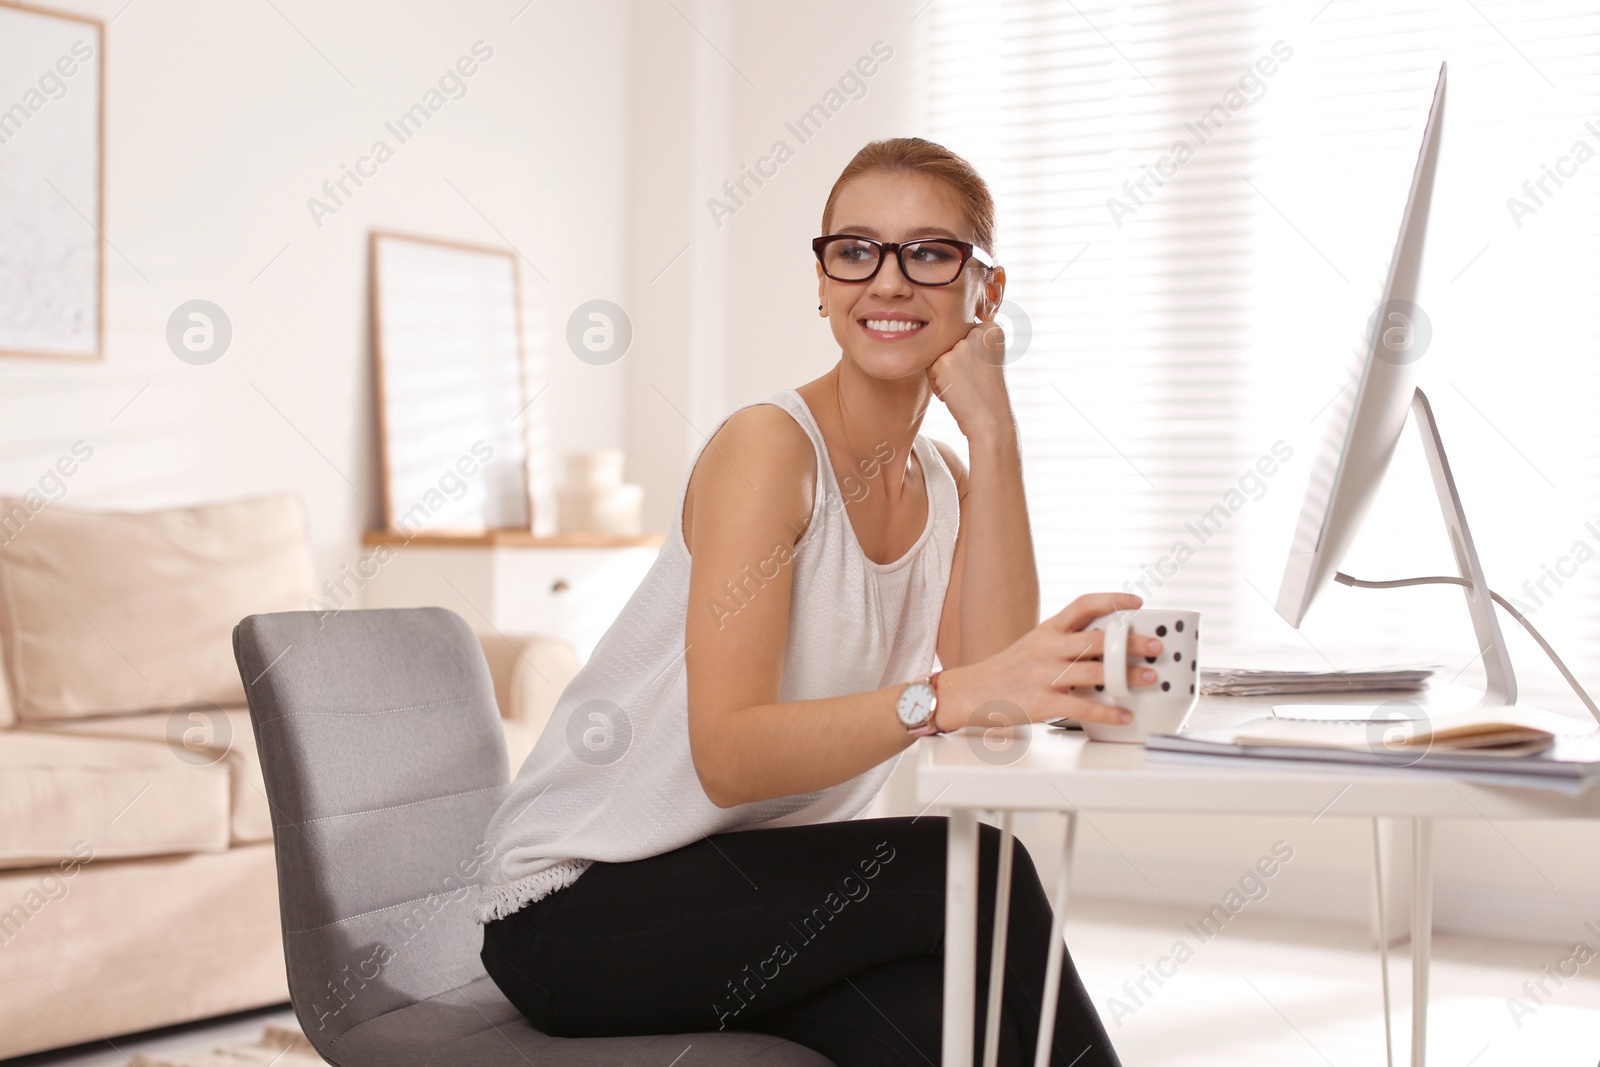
278	1046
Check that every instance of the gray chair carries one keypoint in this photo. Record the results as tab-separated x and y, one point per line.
384	759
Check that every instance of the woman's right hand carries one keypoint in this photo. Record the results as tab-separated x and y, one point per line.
1035	673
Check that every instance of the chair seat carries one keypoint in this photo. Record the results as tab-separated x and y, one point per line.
475	1026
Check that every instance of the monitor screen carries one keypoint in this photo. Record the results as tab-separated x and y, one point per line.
1365	422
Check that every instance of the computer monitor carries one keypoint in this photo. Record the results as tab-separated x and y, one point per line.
1364	422
1364	426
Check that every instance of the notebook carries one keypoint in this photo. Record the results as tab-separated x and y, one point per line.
1506	740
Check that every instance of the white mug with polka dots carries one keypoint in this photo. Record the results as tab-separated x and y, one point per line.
1159	708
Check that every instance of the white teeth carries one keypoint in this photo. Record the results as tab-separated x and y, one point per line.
893	325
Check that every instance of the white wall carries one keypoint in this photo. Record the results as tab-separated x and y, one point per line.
222	120
775	337
590	142
733	320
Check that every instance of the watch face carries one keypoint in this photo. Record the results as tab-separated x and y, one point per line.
916	703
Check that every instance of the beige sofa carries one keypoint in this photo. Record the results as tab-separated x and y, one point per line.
137	884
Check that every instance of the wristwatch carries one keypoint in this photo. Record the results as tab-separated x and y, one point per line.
918	703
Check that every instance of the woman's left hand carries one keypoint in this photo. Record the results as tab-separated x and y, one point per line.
970	380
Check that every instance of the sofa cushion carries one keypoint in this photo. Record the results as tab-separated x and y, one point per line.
200	736
105	612
520	739
224	735
529	672
63	796
95	950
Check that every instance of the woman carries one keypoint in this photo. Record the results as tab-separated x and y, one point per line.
681	851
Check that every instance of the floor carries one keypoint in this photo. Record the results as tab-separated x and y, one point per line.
241	1029
1266	990
1285	992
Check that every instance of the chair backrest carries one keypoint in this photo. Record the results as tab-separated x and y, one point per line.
384	758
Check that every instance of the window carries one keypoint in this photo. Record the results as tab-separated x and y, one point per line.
1198	201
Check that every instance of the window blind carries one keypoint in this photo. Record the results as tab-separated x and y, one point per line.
1197	204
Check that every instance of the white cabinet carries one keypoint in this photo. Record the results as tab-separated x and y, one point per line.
512	582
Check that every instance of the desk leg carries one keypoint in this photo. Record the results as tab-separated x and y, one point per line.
1421	936
997	944
1052	967
960	936
1383	944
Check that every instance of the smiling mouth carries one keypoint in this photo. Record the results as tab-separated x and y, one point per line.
892	326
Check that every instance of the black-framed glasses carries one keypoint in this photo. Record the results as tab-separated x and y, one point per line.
847	257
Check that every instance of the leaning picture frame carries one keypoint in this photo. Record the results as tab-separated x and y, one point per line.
52	183
450	386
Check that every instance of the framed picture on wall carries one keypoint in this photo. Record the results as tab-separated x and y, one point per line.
451	395
52	149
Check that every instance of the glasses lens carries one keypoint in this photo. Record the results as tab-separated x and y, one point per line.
849	260
932	262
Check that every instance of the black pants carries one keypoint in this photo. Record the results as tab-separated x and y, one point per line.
829	935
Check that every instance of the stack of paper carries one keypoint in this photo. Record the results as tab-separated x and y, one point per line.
1249	681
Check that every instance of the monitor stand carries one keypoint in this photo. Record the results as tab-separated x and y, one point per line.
1500	691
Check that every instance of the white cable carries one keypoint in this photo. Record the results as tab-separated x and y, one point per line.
1440	579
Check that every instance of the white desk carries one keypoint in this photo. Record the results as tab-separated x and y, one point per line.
1058	770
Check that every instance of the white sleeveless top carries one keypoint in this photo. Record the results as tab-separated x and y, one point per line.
611	777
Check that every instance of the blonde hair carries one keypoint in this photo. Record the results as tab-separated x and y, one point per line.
918	156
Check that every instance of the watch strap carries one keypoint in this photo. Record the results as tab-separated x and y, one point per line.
931	727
